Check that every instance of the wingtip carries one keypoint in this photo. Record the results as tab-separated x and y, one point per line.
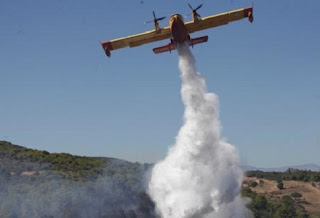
248	12
107	47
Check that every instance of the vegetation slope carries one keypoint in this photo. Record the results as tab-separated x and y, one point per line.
293	193
37	183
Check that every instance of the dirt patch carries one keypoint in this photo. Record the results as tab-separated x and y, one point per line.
28	173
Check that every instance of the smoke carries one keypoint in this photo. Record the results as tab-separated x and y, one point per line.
48	195
201	175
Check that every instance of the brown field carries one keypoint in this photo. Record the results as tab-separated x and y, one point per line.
310	199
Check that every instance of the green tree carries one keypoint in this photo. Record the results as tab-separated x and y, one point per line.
280	185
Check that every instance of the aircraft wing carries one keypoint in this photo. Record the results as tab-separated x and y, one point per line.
219	19
136	40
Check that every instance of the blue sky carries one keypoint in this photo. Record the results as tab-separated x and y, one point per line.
60	93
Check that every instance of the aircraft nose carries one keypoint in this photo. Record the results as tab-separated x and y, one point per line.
174	18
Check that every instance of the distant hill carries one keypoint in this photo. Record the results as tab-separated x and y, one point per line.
312	167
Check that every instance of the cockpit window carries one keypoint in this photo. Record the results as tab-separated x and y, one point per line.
178	15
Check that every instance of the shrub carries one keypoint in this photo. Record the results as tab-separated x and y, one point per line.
253	184
296	195
280	185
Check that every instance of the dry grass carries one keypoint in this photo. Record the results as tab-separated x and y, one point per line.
310	199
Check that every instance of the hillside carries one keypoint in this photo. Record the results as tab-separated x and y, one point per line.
37	183
293	193
305	195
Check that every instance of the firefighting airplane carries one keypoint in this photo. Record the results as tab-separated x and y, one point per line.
178	31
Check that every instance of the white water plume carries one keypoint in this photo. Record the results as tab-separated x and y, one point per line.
201	175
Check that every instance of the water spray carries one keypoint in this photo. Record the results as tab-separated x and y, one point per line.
201	174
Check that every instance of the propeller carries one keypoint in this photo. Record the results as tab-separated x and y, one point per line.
194	10
155	19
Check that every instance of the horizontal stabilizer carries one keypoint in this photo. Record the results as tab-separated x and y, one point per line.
169	47
198	40
173	45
